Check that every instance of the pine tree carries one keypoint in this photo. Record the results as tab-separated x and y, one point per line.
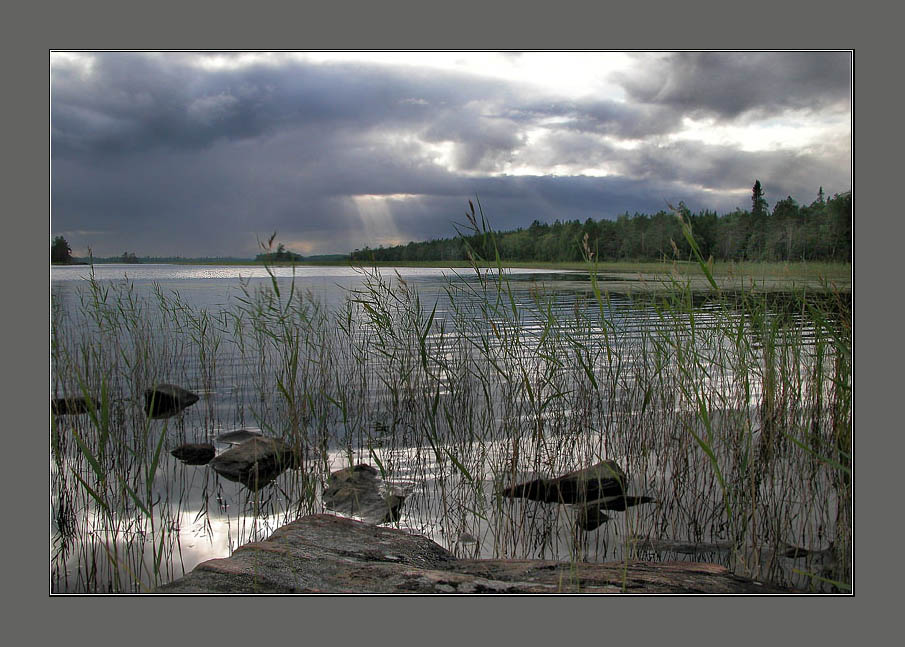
60	252
758	204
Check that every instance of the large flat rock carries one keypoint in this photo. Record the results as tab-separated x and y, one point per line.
329	554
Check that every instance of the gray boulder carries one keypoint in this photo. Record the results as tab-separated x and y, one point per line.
603	480
165	400
256	462
195	453
358	491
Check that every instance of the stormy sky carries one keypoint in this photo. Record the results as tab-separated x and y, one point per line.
203	154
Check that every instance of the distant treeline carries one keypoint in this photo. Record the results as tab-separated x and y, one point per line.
790	232
130	257
283	255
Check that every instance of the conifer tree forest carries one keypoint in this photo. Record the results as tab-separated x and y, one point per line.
820	231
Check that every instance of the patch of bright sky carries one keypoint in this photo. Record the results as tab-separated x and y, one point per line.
566	74
376	216
790	131
83	62
441	153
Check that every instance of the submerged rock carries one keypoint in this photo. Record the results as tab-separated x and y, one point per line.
329	554
238	436
657	545
165	400
357	491
70	406
592	515
195	453
256	462
603	480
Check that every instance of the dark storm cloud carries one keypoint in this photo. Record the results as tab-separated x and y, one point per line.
725	168
728	85
132	102
156	155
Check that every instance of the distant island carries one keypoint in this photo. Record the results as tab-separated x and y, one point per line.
61	254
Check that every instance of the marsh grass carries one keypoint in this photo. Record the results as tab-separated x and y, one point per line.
731	409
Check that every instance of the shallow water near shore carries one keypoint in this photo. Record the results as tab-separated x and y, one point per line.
453	387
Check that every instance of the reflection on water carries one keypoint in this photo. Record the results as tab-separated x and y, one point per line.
470	391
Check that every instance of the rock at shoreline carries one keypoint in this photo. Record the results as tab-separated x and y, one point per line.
603	480
165	400
256	462
70	406
357	491
330	554
195	453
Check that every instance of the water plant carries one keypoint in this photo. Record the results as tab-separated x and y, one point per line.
731	408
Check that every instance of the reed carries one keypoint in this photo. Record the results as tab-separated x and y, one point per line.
732	409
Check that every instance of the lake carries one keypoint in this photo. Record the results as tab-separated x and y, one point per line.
723	408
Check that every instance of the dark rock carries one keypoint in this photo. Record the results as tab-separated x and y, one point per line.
195	453
358	491
238	436
70	406
600	481
165	400
329	554
256	462
592	515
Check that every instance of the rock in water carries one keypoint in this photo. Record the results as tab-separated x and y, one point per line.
592	515
357	491
165	400
256	462
238	436
195	453
70	406
603	480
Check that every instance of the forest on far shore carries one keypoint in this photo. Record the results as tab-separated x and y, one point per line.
820	231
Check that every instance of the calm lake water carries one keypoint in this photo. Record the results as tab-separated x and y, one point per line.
527	385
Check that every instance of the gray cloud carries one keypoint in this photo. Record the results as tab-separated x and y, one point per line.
622	120
156	155
731	84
